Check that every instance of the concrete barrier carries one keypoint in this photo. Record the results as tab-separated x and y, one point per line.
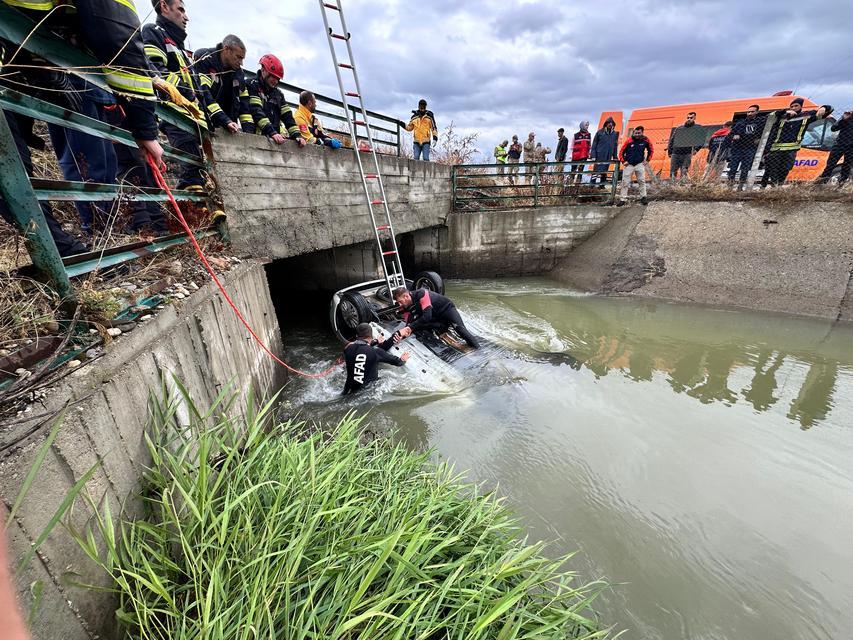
792	258
203	344
283	201
518	242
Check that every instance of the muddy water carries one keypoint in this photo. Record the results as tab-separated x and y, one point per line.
702	459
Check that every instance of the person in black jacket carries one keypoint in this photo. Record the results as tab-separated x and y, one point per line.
843	147
273	117
681	154
174	76
424	309
110	30
605	147
221	73
562	149
743	141
635	153
363	357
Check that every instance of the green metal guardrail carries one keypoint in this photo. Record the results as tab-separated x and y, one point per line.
23	195
536	184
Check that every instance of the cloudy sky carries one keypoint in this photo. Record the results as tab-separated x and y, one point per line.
499	67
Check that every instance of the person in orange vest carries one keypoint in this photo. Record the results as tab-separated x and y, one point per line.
309	125
422	125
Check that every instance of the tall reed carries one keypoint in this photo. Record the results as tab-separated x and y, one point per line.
260	531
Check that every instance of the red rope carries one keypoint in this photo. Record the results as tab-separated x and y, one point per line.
162	182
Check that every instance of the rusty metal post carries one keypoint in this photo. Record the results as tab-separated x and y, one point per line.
17	191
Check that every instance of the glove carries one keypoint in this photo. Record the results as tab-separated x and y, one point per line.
170	90
333	143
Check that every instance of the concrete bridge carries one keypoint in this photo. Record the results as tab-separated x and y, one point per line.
284	202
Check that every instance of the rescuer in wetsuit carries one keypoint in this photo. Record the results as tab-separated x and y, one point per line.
424	309
363	357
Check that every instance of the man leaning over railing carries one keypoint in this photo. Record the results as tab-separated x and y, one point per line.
110	30
171	64
272	115
226	97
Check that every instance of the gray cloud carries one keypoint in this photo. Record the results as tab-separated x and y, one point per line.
501	67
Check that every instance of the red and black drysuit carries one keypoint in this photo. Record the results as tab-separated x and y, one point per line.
430	310
363	360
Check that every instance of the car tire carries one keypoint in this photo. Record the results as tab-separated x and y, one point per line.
352	310
429	280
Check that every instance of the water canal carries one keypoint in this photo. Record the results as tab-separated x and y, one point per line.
699	459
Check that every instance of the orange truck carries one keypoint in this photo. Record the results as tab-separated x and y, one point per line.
659	122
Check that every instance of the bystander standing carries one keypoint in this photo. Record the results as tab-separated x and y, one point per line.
424	130
562	150
718	151
636	152
683	144
605	148
581	144
514	155
744	138
843	147
501	156
529	148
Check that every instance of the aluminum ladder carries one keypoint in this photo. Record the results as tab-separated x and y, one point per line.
392	267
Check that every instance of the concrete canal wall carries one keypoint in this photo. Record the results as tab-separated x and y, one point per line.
204	345
786	257
519	242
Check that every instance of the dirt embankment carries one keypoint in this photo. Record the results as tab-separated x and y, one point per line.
790	257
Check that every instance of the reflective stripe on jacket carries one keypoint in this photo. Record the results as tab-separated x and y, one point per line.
167	57
110	30
270	112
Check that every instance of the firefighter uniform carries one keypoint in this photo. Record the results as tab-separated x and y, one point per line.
172	63
229	97
110	30
270	113
785	142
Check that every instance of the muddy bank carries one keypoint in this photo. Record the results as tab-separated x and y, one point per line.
791	258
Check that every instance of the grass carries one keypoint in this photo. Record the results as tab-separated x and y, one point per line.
258	531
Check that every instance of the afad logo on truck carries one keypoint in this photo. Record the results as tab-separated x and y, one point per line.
659	123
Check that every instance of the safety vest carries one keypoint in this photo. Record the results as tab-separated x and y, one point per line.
500	154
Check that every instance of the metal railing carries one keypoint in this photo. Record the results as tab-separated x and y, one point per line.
23	194
391	129
479	187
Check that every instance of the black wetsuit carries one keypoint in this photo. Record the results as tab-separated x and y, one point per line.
362	362
430	310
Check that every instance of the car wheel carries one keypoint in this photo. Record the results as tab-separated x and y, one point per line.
429	280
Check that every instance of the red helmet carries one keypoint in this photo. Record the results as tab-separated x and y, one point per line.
272	66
